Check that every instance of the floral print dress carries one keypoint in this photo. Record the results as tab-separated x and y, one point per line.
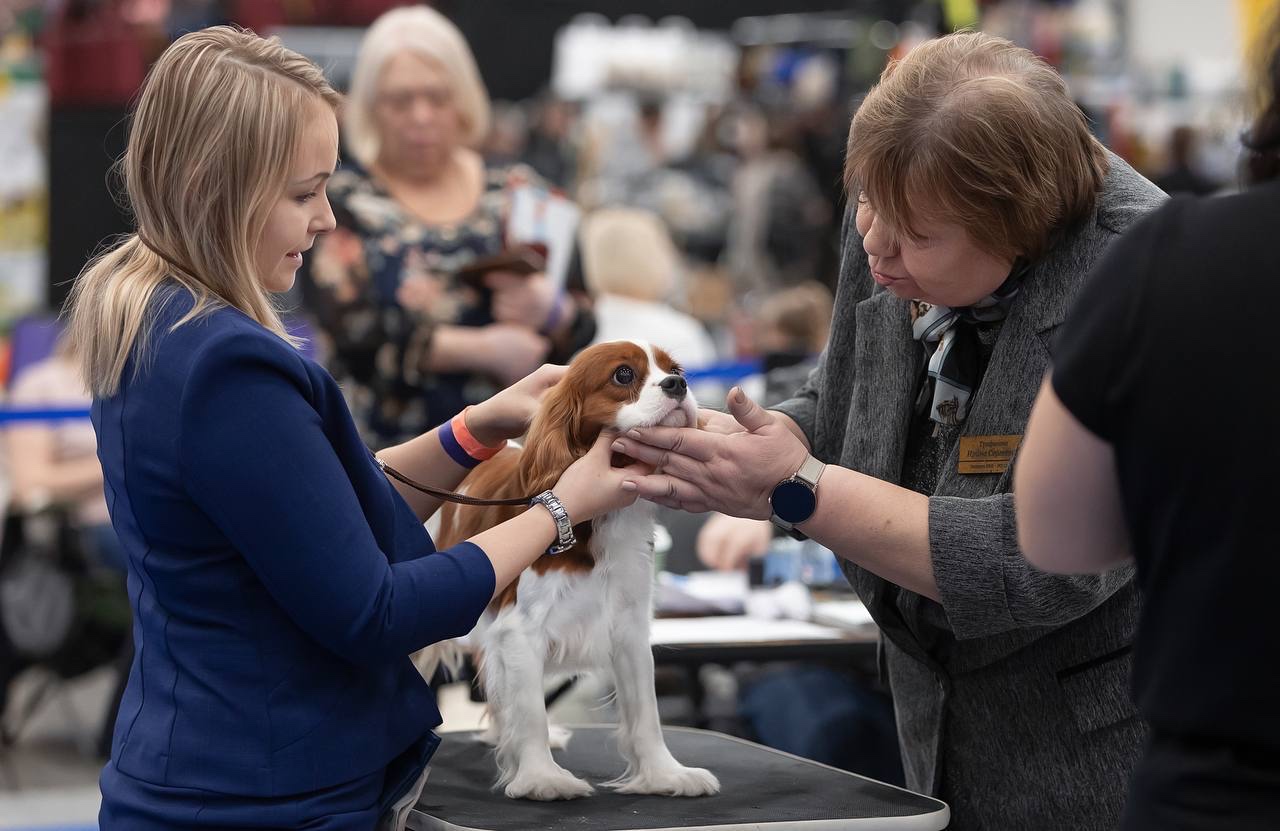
376	347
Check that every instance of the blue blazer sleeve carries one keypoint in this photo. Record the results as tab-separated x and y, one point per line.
256	459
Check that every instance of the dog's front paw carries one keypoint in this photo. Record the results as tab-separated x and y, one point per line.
674	781
547	786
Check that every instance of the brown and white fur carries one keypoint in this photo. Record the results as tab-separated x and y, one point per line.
587	610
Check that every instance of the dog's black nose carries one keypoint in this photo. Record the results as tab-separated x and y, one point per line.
674	386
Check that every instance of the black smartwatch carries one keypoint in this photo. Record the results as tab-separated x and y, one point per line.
795	499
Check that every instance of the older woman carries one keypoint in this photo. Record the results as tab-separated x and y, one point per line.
410	344
981	202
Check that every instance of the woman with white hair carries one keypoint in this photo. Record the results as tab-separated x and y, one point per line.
414	203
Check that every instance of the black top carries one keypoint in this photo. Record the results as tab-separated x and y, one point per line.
1169	356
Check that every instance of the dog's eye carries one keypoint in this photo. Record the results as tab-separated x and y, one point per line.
624	375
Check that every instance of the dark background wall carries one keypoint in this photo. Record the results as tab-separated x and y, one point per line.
514	41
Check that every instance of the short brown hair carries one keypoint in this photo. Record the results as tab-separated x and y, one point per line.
987	132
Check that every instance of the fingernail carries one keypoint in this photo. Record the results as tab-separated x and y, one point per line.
633	434
628	485
619	447
737	395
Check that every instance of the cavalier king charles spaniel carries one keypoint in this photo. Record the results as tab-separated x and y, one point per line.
587	609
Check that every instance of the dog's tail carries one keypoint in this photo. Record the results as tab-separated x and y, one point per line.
451	655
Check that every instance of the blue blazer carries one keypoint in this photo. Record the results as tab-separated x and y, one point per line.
278	581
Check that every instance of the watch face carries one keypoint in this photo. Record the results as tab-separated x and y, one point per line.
793	502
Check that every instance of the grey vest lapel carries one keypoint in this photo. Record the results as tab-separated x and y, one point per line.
884	390
886	375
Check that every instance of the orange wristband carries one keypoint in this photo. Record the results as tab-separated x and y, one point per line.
469	444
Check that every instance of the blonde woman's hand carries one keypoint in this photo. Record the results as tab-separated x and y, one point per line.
506	415
591	486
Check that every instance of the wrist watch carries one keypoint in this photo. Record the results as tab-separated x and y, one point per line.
565	538
794	499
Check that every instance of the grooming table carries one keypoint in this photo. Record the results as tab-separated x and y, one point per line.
760	790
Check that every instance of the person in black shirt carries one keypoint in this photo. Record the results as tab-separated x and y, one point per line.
1149	442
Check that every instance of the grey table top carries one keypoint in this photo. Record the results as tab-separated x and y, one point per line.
761	789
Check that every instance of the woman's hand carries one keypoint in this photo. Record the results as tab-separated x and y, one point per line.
506	415
726	543
698	470
527	300
421	290
510	352
591	486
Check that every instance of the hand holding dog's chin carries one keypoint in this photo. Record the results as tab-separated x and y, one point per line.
506	415
592	486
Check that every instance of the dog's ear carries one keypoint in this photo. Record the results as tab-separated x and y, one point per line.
554	439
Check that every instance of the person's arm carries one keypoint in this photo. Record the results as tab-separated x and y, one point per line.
505	415
37	473
255	458
506	351
961	552
1070	517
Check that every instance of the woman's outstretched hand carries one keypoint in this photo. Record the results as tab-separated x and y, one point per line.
730	472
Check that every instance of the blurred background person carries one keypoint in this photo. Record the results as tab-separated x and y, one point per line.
790	329
58	502
55	463
551	148
632	269
1183	173
410	344
780	215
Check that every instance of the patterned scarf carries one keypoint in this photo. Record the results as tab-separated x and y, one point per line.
951	345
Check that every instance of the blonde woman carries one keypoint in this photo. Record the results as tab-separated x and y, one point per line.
278	580
981	202
415	202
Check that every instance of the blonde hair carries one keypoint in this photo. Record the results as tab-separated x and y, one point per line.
987	133
421	31
628	252
211	144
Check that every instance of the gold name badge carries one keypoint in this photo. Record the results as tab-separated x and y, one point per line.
986	454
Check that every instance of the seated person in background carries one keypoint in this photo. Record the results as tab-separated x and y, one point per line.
631	267
57	462
410	344
789	331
